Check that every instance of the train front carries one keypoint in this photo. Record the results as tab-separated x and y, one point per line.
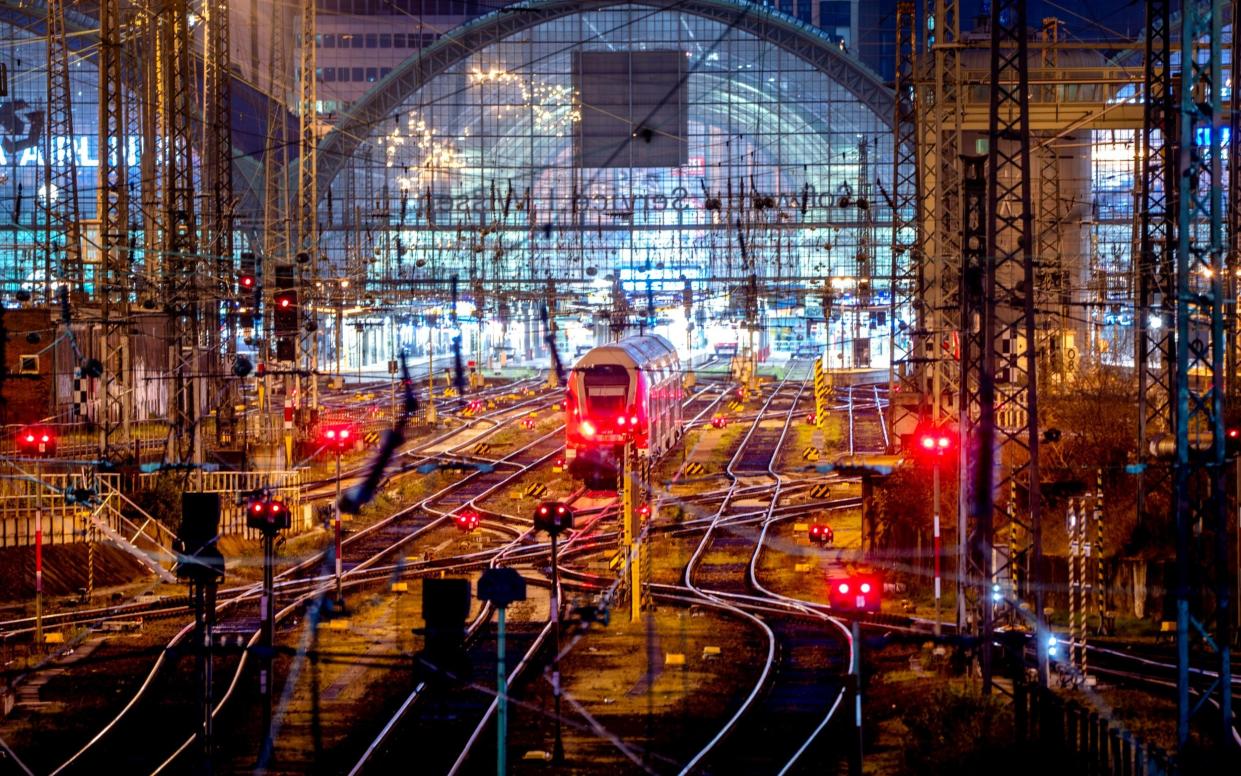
603	409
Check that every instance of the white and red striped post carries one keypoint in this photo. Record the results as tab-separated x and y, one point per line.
38	576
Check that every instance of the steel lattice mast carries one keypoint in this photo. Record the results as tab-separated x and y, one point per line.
1156	352
1002	367
182	289
940	164
58	197
907	324
217	181
115	252
1203	586
307	218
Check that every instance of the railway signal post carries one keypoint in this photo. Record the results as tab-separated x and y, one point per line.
853	598
501	587
554	517
338	438
200	563
37	443
269	517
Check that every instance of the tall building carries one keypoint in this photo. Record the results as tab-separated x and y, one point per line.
360	42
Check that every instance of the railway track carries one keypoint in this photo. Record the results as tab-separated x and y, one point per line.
784	711
297	586
867	413
516	551
416	454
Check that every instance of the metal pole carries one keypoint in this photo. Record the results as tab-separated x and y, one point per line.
502	697
340	336
936	539
267	614
855	767
38	555
630	535
340	587
431	417
558	750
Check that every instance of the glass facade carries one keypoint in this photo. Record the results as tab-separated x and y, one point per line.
475	175
23	123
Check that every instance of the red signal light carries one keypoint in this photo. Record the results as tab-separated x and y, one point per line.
859	593
268	515
553	517
933	440
337	437
37	441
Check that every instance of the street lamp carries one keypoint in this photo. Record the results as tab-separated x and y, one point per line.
338	438
555	517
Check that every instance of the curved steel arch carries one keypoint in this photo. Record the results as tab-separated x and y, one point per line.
779	29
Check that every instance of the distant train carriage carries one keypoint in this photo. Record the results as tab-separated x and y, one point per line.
628	389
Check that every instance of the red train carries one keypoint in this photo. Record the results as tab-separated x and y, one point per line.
625	390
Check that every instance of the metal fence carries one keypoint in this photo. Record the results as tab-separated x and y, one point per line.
1092	742
47	501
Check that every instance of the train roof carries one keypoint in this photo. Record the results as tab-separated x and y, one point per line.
636	351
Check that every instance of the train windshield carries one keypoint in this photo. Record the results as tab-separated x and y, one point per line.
607	387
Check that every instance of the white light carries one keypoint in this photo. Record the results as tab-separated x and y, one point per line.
1155	322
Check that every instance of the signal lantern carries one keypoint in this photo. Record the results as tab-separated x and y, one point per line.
859	593
285	314
933	441
467	521
268	515
558	465
644	511
553	517
821	534
338	438
246	282
1232	441
37	441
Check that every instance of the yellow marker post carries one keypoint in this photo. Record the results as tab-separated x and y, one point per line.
631	538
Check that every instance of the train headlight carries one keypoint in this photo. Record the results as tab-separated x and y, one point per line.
587	428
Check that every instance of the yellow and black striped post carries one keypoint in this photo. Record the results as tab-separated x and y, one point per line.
90	561
822	387
1014	541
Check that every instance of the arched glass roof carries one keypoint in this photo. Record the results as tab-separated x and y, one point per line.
475	171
